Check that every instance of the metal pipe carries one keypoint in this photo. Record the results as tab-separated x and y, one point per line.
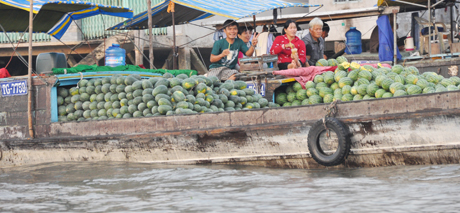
429	28
29	103
149	5
439	2
174	42
405	2
395	53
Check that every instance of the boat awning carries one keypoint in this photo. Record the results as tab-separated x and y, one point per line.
14	14
302	18
192	10
413	5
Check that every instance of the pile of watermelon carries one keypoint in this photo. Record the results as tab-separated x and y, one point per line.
125	97
350	82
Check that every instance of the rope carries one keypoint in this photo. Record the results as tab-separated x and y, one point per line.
331	111
81	78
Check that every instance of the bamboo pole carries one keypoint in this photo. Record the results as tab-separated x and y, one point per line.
149	5
29	104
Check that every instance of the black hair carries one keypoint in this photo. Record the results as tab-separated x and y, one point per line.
243	29
229	23
286	25
326	27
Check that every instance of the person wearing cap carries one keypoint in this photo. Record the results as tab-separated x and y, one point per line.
314	41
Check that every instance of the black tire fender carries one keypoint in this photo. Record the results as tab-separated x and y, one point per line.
344	142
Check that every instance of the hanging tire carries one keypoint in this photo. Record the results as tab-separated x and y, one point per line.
322	147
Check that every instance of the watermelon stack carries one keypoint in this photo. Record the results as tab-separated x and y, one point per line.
350	82
126	97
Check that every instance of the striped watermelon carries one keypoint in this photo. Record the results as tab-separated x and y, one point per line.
387	83
379	93
345	81
365	74
340	75
411	79
414	89
371	89
396	86
399	93
353	75
357	97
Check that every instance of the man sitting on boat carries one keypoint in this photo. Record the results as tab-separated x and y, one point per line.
314	41
289	48
224	54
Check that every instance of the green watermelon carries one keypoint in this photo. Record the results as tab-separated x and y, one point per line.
291	97
315	99
353	75
311	92
414	89
397	69
400	79
452	88
362	89
345	81
411	79
321	84
357	97
365	75
347	97
322	63
353	90
328	98
332	62
379	93
427	90
341	59
399	93
396	86
325	90
318	78
296	86
301	94
339	75
310	84
281	98
387	83
328	77
387	95
372	89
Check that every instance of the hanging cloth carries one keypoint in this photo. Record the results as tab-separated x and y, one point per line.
386	40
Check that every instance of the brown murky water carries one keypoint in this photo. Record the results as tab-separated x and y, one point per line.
132	187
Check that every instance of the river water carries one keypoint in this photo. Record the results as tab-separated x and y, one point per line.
133	187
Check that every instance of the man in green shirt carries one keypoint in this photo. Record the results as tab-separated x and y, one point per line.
224	54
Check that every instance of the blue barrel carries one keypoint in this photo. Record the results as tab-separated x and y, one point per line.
115	56
354	45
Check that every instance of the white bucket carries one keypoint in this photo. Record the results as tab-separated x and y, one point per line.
409	43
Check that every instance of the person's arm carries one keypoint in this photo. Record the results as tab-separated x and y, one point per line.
250	51
216	58
302	52
216	55
308	51
277	46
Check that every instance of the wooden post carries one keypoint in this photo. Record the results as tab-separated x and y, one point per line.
149	4
29	104
139	41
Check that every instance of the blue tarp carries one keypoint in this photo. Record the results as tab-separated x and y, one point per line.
191	10
56	16
386	40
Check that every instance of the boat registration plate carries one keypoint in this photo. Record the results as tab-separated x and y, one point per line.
254	87
14	88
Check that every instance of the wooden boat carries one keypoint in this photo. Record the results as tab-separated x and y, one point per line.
418	129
